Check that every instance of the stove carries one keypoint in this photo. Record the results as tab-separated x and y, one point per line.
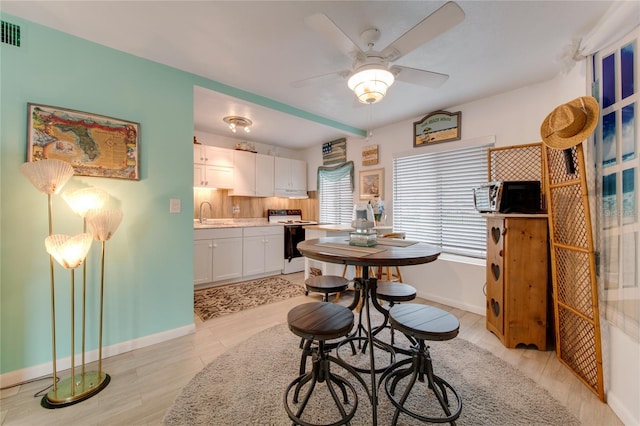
287	217
293	234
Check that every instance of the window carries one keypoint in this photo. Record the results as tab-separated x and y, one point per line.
617	166
335	193
433	199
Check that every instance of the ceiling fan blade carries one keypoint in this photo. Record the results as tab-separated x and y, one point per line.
448	16
331	77
419	77
321	24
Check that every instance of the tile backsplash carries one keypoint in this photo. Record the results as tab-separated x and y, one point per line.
226	206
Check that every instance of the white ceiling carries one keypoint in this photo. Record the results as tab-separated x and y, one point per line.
254	50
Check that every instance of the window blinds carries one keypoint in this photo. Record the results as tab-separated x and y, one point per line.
335	193
433	199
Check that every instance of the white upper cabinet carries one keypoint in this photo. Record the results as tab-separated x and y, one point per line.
244	176
212	167
264	175
253	174
290	177
212	155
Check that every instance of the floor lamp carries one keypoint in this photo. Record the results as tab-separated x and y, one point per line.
70	252
49	176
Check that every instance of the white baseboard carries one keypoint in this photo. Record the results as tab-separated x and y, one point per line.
14	377
453	303
623	413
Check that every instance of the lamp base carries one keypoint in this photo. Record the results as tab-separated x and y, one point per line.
84	387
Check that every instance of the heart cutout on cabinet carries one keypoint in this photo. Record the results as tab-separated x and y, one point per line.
495	234
495	270
495	307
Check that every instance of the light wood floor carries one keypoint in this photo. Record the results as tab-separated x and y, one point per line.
145	382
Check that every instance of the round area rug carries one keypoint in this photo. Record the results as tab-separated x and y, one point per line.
246	385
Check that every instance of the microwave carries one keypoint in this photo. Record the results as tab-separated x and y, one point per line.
508	197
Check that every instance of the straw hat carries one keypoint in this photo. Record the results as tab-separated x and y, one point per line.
571	123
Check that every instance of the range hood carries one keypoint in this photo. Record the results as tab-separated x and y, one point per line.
291	193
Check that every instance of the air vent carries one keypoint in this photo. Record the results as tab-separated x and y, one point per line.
10	34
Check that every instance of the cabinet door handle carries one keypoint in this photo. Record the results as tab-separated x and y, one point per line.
214	245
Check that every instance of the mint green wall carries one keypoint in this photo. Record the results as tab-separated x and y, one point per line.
149	266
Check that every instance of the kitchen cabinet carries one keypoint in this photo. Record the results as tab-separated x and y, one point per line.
263	250
517	279
253	174
290	177
206	176
217	255
244	176
265	167
212	167
212	155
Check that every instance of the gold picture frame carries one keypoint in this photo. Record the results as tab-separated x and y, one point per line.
439	126
371	184
94	145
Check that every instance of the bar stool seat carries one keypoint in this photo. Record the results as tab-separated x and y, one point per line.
393	293
319	322
326	284
422	323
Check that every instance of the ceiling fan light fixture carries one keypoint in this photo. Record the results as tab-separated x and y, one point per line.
234	122
370	84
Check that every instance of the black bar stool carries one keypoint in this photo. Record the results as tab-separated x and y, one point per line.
393	293
320	322
326	284
422	322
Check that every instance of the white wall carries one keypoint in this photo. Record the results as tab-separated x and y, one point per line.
514	118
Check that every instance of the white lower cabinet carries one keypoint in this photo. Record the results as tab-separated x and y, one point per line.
225	255
263	250
217	255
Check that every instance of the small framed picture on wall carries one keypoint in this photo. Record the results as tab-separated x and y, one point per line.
371	184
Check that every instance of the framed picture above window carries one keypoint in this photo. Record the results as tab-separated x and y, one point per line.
439	126
371	184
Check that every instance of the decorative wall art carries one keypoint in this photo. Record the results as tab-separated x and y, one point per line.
334	152
95	145
370	155
439	126
371	184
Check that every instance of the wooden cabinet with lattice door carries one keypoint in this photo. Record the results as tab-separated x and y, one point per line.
517	279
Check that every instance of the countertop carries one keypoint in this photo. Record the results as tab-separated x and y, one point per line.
232	223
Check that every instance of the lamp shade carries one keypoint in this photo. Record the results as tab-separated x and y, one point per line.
68	251
49	175
103	223
370	84
85	199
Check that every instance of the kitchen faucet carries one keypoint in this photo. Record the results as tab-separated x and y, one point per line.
201	206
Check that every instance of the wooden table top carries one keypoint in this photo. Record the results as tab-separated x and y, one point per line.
388	252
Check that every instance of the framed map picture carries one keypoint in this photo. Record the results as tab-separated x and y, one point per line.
439	126
94	145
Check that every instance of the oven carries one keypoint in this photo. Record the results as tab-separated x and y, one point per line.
293	261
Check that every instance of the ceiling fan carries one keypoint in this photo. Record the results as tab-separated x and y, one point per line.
372	72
